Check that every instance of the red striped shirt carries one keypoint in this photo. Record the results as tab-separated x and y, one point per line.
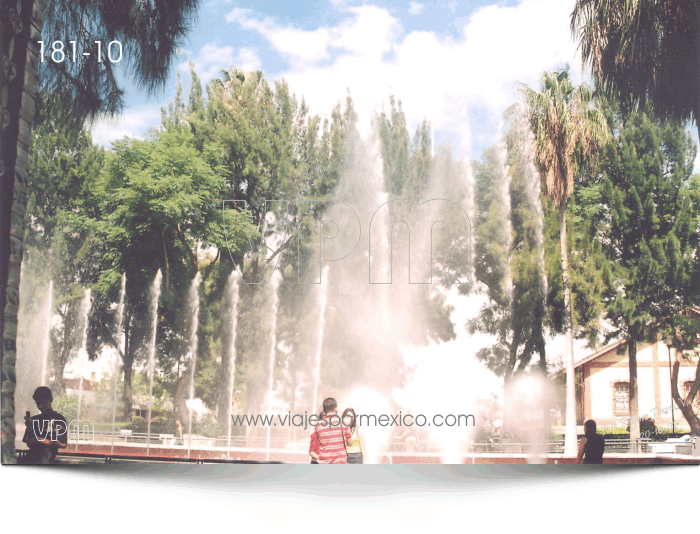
331	441
314	445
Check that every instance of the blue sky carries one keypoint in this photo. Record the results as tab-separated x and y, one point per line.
456	64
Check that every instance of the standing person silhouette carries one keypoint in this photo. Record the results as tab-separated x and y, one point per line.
178	433
46	432
592	446
356	447
332	435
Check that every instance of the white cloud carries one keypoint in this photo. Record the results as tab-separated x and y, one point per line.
300	45
210	60
452	6
132	123
437	76
213	58
372	32
415	8
247	59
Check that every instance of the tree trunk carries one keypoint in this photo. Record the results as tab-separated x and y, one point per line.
686	405
635	430
510	418
70	339
222	373
570	433
21	23
59	385
68	317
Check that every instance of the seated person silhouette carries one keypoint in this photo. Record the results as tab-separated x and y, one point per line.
46	432
592	445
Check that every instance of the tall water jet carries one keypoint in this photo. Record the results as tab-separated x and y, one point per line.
83	355
194	309
504	192
120	350
538	436
323	298
47	339
380	227
470	208
233	310
153	308
532	182
274	285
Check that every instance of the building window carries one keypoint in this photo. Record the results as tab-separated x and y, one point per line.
622	398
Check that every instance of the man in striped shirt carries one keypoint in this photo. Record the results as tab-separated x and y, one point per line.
332	435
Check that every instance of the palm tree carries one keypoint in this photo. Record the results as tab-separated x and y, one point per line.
150	34
567	132
643	53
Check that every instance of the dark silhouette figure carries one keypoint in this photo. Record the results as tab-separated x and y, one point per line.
46	432
592	446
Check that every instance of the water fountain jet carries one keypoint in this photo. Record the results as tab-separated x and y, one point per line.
275	281
83	355
323	298
233	310
120	349
47	340
194	308
155	297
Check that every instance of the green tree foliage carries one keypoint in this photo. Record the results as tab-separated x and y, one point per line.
510	257
396	147
266	147
647	227
191	198
62	208
160	204
151	33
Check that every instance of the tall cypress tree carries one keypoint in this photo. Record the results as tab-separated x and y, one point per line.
645	229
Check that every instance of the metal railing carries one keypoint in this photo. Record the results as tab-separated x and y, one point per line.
66	457
143	438
641	445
